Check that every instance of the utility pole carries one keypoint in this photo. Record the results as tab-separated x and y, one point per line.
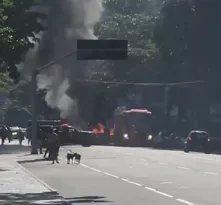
34	113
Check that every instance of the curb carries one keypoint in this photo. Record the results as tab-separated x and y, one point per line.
40	181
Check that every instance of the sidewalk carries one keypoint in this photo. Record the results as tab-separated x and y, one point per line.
17	186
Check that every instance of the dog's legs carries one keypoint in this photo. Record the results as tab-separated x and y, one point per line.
68	161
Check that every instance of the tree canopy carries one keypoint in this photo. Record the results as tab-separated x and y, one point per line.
169	41
18	24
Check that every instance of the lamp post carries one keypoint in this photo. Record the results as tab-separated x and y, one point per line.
34	112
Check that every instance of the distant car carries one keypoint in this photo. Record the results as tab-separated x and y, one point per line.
15	131
198	140
82	137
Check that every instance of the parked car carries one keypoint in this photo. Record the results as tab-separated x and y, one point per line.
198	140
15	131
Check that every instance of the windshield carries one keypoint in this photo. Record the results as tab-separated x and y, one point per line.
140	121
199	136
14	128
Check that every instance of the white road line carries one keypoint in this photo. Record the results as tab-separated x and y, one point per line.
197	157
182	187
83	165
158	192
211	173
96	170
111	175
162	163
164	194
126	180
166	183
184	201
150	189
209	159
140	185
186	168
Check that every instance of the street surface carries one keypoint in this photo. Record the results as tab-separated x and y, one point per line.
19	187
134	176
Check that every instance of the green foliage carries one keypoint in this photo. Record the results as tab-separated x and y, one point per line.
18	24
130	20
188	37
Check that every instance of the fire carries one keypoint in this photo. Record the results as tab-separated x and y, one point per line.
99	129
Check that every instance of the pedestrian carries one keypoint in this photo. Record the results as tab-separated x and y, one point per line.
47	145
3	134
40	138
54	145
28	134
8	133
20	136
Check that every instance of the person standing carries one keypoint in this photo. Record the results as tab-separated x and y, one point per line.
40	138
3	134
54	145
20	136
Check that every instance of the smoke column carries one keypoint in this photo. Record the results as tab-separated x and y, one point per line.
68	20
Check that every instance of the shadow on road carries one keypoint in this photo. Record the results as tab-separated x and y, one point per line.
14	149
31	198
46	198
87	199
32	160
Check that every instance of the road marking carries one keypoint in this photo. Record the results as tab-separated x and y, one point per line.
166	183
149	188
186	168
83	165
144	160
208	159
164	194
162	163
182	187
96	170
131	182
158	192
111	175
140	185
211	173
197	157
184	201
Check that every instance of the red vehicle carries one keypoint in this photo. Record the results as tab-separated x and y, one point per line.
133	127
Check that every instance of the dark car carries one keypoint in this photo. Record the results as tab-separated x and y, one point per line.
198	140
82	137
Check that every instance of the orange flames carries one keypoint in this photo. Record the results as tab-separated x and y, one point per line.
100	129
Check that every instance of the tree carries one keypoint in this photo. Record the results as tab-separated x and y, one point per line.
188	37
132	20
18	24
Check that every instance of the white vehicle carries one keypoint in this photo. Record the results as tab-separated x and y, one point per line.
14	131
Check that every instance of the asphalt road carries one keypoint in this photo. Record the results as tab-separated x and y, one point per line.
129	176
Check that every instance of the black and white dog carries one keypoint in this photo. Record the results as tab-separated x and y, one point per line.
74	157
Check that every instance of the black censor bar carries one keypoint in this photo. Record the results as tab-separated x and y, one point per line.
102	50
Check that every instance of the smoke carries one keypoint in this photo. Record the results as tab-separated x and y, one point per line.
68	21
